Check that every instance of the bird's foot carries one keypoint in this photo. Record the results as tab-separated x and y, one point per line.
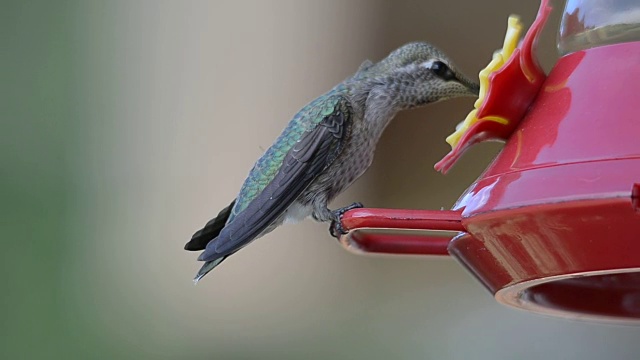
336	229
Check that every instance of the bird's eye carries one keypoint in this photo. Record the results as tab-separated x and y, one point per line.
442	71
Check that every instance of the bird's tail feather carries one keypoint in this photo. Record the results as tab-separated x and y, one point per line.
210	231
208	266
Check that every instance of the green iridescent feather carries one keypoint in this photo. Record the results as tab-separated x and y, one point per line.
269	164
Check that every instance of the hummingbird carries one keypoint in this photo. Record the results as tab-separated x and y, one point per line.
327	145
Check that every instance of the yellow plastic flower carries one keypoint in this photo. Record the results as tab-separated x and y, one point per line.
500	57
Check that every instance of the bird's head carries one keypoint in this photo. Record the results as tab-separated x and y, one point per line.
417	74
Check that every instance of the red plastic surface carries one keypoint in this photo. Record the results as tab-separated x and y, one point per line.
365	241
582	113
403	219
555	217
511	91
546	258
363	234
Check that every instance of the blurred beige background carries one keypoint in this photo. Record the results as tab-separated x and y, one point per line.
131	123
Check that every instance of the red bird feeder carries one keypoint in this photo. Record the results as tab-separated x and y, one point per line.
553	224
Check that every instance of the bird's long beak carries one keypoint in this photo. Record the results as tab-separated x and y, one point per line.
474	88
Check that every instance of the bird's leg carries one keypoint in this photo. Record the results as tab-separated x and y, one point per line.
336	229
322	214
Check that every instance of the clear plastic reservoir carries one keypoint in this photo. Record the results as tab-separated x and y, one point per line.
590	23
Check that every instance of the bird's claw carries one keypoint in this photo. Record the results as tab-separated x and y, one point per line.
336	230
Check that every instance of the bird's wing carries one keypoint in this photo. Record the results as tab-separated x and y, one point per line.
210	231
316	149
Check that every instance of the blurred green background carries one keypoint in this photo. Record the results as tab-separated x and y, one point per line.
128	124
